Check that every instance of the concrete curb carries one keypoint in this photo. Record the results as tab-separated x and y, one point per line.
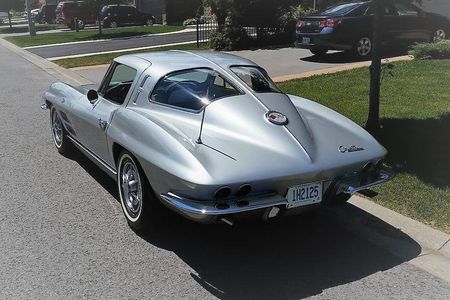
337	69
435	245
56	71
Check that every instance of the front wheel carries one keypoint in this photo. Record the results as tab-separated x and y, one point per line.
363	47
136	196
149	22
438	35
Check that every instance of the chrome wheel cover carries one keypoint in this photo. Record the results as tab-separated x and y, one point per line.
149	22
131	188
439	35
113	24
364	46
57	129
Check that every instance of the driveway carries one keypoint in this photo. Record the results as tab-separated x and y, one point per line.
278	62
63	234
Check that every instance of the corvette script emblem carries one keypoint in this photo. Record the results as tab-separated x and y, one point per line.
276	118
343	149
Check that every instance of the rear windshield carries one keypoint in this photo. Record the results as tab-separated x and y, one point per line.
192	89
340	9
256	78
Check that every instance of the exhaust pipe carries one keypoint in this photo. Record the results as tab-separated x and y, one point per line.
227	221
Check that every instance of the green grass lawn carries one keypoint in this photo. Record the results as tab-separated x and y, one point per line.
101	59
22	29
415	112
88	35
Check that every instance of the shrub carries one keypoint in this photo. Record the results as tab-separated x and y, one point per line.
438	50
203	20
233	37
188	22
290	16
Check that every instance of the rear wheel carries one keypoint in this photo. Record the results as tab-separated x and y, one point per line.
149	22
319	52
59	134
136	197
438	35
363	47
113	24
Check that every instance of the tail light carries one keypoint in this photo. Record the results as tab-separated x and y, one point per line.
300	23
332	23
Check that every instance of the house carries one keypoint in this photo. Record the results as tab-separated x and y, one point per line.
170	11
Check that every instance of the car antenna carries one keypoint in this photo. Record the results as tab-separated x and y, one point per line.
206	102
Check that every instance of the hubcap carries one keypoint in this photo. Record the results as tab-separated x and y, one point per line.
149	22
57	129
364	46
131	188
114	25
439	35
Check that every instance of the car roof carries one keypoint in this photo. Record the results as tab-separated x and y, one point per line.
175	60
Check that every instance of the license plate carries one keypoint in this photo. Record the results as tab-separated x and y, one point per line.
304	194
306	40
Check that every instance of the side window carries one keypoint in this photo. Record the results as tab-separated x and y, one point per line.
118	82
192	89
405	9
388	10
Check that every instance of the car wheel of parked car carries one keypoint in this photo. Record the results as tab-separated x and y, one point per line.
363	46
113	24
135	193
319	52
149	22
59	134
438	35
81	24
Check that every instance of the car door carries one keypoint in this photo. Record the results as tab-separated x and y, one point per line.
389	26
412	23
91	123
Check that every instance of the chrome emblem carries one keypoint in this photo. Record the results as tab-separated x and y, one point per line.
350	149
276	118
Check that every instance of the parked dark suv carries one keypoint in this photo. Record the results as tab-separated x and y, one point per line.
348	26
117	15
46	14
84	12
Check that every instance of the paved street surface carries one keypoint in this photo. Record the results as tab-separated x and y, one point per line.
115	44
63	235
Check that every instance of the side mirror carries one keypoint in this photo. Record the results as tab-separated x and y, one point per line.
92	96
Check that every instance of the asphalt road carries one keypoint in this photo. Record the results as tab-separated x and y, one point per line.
115	44
63	235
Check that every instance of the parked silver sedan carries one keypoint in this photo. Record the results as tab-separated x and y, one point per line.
213	138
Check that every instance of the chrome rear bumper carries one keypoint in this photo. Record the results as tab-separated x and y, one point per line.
208	211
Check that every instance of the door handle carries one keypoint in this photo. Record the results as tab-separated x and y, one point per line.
103	124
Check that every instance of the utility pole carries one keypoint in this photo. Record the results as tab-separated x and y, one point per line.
31	27
373	119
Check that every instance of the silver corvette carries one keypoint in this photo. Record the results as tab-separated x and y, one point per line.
213	138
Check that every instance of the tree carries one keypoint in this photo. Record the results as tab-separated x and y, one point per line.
373	119
222	9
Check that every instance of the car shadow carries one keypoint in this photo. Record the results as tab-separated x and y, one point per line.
413	150
348	57
294	257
